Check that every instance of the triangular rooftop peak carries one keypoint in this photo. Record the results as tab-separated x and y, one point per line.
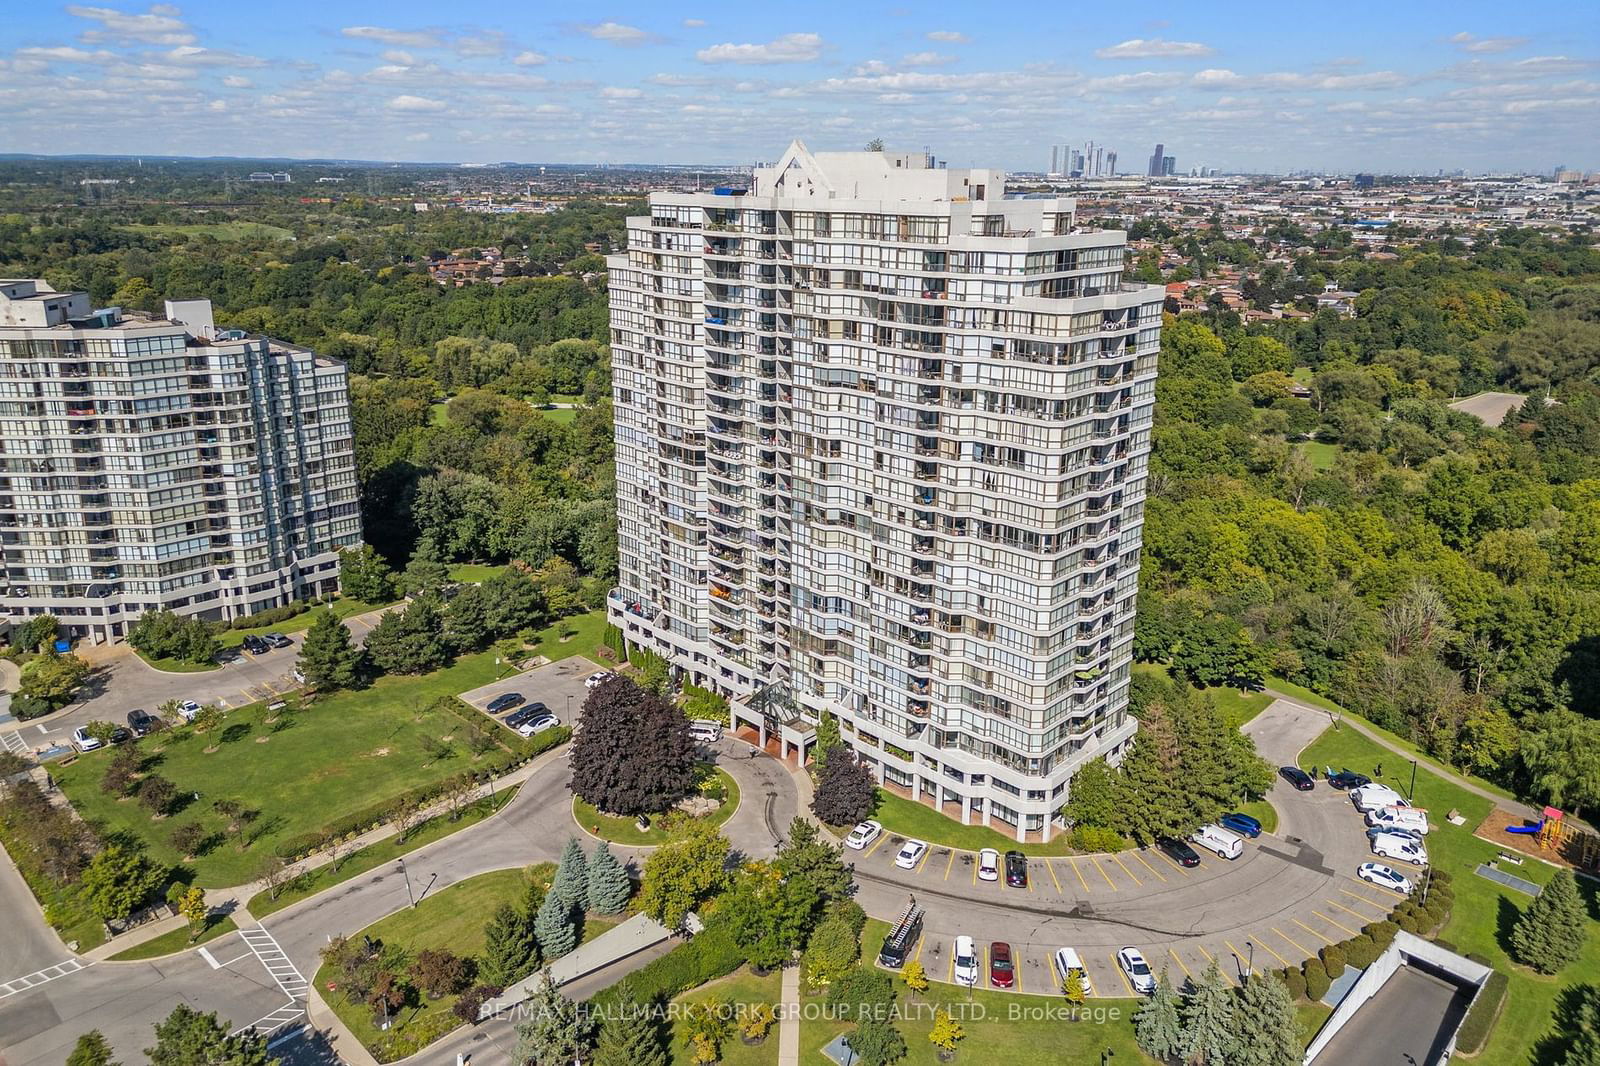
797	155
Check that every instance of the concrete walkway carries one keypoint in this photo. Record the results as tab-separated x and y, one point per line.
789	1019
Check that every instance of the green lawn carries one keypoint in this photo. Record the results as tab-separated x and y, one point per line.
343	607
579	634
452	919
349	751
222	231
175	666
177	940
1483	910
374	855
740	987
1321	455
911	819
562	415
1235	707
626	830
438	414
476	573
1263	812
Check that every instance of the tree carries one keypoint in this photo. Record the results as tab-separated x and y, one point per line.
1072	988
389	993
423	574
37	633
707	1025
555	1034
122	772
555	927
469	619
571	882
188	1038
328	659
439	972
946	1031
274	873
846	791
1561	752
769	915
1266	1031
511	950
876	1042
517	602
1550	933
805	855
1156	1024
633	753
194	910
188	838
163	634
832	952
118	881
1094	799
92	1049
915	977
365	575
470	1004
208	719
52	678
609	886
629	1035
1585	1047
828	738
156	794
1207	1020
684	872
410	641
655	673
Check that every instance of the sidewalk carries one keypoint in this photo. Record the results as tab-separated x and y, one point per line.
789	1023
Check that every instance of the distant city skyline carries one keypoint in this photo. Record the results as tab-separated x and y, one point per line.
1464	86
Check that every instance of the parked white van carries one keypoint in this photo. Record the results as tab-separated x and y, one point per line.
1068	961
1369	797
1394	847
705	732
1412	818
1217	839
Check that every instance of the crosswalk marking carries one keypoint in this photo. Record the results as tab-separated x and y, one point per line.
265	948
14	742
40	977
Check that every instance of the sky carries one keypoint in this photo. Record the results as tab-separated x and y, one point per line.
1395	87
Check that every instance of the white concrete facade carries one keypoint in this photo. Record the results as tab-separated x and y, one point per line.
882	437
151	462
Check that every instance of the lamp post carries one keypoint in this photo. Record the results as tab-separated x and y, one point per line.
569	708
407	875
1413	796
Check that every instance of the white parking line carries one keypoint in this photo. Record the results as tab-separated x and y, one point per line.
40	977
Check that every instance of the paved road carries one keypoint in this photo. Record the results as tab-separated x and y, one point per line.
38	1025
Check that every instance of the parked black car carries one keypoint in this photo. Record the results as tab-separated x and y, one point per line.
1016	869
1297	777
1180	852
526	714
504	702
255	645
142	722
1345	780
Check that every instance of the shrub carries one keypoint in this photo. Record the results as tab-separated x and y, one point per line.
1479	1023
1333	961
710	954
1095	838
472	1000
1296	982
1382	934
1360	951
26	707
272	615
1316	980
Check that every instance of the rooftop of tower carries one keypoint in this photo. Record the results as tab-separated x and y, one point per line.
803	174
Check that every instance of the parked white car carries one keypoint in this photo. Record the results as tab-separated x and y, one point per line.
910	854
596	680
863	834
537	724
1393	847
1399	818
966	964
1370	797
1067	961
187	709
1384	877
82	740
1137	970
988	865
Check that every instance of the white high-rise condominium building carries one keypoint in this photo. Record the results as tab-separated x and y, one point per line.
156	462
882	437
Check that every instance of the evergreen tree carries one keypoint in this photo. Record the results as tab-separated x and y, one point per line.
609	886
1551	932
877	1043
846	791
411	640
516	601
1585	1047
555	1034
1095	798
327	657
828	739
510	948
555	928
468	619
365	575
629	1036
1206	1037
1265	1029
186	1037
571	882
804	855
1150	776
92	1049
1156	1025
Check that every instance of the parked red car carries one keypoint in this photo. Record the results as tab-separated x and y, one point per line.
1001	971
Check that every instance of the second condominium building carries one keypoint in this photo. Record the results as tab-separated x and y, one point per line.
882	436
154	462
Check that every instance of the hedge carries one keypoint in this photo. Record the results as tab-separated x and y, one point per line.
1333	961
1316	980
708	955
1296	982
1485	1010
272	615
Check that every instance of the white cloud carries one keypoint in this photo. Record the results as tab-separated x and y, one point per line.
926	59
616	33
64	54
159	25
790	48
418	137
1485	45
396	38
399	58
614	92
1154	48
486	43
947	36
529	59
407	102
680	81
192	55
693	24
235	81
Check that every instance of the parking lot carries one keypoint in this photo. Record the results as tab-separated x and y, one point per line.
558	685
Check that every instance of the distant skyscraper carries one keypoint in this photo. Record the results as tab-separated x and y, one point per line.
1169	165
1156	161
1111	164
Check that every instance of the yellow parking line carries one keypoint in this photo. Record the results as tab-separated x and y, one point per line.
1048	865
1297	946
1031	879
1140	856
1016	970
1177	959
1125	983
1240	955
952	975
1387	900
1262	941
1103	873
876	844
1339	925
1081	881
1127	871
1374	904
1212	958
918	953
1173	863
983	962
924	860
949	864
1362	918
1313	932
975	864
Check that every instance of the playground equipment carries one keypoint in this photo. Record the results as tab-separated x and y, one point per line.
1547	832
1574	844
